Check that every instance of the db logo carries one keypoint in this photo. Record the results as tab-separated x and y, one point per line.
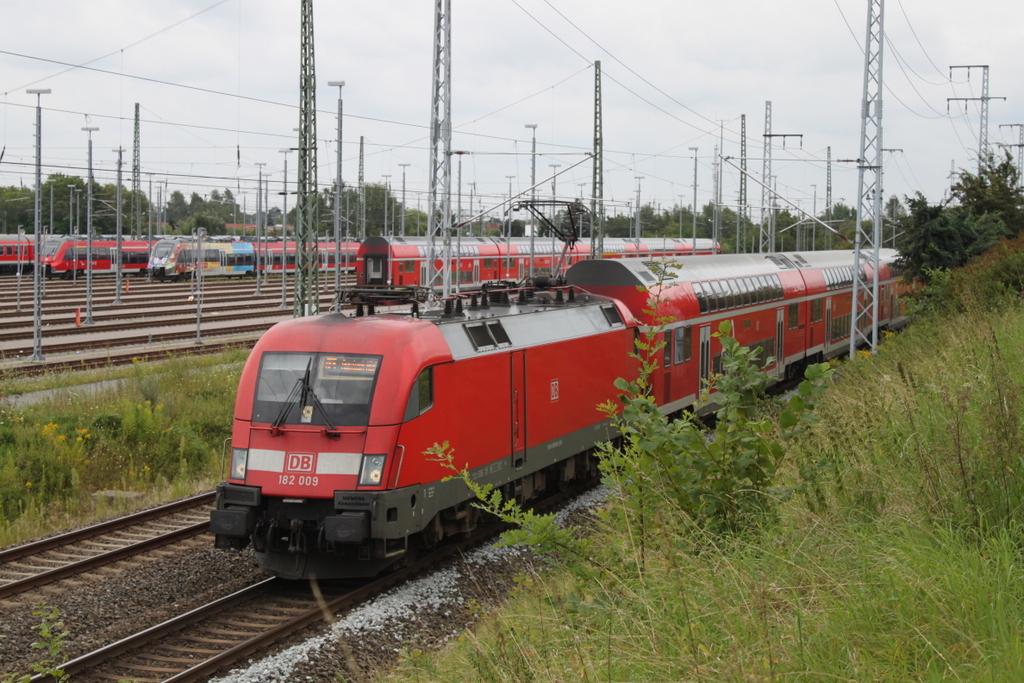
554	390
300	462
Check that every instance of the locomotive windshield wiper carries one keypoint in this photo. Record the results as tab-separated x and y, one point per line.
308	401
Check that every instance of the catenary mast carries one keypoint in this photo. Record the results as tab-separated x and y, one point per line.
439	199
307	290
864	317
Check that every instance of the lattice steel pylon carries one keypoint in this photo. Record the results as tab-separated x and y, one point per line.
864	314
136	180
984	151
440	215
597	181
766	243
307	286
741	213
362	193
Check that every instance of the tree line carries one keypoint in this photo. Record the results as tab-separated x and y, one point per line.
982	209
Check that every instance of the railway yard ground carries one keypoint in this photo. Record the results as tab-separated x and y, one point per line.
153	320
889	548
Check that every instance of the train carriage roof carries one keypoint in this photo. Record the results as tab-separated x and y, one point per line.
634	272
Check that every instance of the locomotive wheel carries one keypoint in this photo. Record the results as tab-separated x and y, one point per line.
431	534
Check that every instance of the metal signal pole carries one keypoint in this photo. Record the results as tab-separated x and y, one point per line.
261	255
533	184
284	234
88	236
37	262
402	229
338	187
115	259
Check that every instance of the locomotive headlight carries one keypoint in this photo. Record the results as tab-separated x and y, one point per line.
372	471
239	459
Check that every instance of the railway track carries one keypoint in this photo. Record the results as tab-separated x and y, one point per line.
32	565
211	638
128	356
199	643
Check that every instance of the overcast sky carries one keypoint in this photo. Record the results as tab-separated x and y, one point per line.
217	82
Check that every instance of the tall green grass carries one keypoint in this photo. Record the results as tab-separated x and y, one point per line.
159	433
895	554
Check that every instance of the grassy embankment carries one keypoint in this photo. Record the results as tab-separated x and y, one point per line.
157	433
888	547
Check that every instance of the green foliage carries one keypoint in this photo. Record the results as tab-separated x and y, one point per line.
994	190
58	452
722	481
934	425
991	281
987	207
530	529
52	634
906	569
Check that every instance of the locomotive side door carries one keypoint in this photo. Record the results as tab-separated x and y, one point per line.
518	361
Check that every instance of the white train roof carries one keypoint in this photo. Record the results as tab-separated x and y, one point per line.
641	271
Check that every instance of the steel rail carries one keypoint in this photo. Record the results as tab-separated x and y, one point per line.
86	564
319	612
105	527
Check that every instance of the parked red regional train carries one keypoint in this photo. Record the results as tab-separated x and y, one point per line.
328	475
16	250
68	255
402	261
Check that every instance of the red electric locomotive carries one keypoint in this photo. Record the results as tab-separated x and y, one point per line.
334	413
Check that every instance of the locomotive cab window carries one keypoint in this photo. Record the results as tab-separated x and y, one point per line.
421	398
315	388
